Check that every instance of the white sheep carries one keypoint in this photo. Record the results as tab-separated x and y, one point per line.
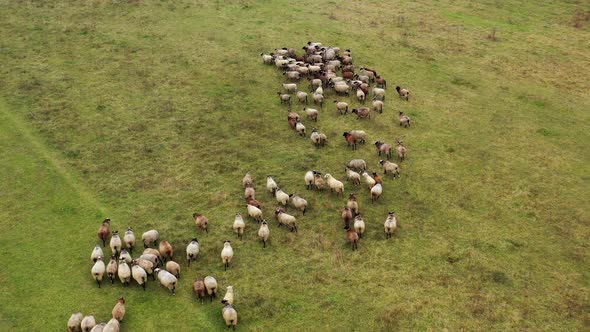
124	273
312	113
138	274
239	225
129	239
125	256
98	327
98	270
229	295
270	184
247	180
147	266
112	326
211	286
174	268
341	107
298	202
150	258
290	87
116	243
167	279
266	58
360	135
287	220
335	185
192	250
378	105
360	95
376	192
264	233
353	176
88	323
309	180
357	164
378	94
352	203
302	97
230	315
250	192
75	321
227	253
318	98
149	237
254	212
96	252
390	224
281	196
388	166
300	128
359	225
369	180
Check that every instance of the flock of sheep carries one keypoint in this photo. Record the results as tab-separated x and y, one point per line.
319	65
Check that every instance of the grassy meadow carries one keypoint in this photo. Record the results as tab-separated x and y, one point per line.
147	111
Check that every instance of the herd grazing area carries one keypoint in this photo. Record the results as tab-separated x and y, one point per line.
147	111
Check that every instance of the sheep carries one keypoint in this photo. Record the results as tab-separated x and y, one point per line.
302	97
383	147
318	181
99	327
376	192
129	239
404	120
403	93
360	135
389	166
290	87
360	95
112	326
281	63
146	265
368	72
314	84
390	225
88	323
342	89
98	270
151	258
115	243
300	128
362	113
270	184
381	82
281	196
346	216
167	279
359	225
287	220
174	268
266	58
318	98
323	139
250	200
341	107
335	185
292	75
230	315
138	274
368	179
303	71
401	150
154	252
239	225
298	202
201	222
104	231
247	181
377	178
314	69
312	113
264	233
315	138
350	140
281	51
75	321
211	286
309	179
149	237
229	295
166	250
112	268
124	273
353	176
199	289
227	253
353	238
285	98
379	94
378	105
362	78
192	250
352	204
254	212
96	252
249	192
357	164
125	256
119	310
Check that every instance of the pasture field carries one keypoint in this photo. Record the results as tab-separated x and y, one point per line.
146	111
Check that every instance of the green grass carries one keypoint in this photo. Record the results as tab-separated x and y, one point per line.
147	111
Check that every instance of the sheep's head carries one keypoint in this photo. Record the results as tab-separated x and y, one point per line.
195	240
121	300
381	162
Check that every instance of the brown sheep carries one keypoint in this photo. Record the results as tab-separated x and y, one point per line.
201	221
353	238
403	93
166	250
383	147
119	310
199	289
346	217
401	150
404	120
104	231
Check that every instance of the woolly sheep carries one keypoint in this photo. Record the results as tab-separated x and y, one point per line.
359	225
227	253
124	273
381	82
312	113
211	286
199	289
287	220
116	243
174	268
201	222
96	252
250	192
292	75
119	310
318	98
314	84
264	233
98	270
230	315
353	238
98	327
318	181
147	266
353	176
281	196
389	166
74	322
125	256
112	268
290	87
368	179
302	96
138	274
342	89
346	216
403	93
315	138
299	203
376	192
270	184
309	180
362	113
149	237
192	250
166	250
335	185
352	203
360	135
129	239
266	58
341	107
383	147
167	279
239	225
378	105
285	98
88	323
404	120
104	231
401	150
229	295
247	181
379	94
112	326
254	212
390	225
360	95
357	164
151	258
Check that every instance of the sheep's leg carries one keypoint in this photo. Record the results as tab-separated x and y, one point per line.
98	282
